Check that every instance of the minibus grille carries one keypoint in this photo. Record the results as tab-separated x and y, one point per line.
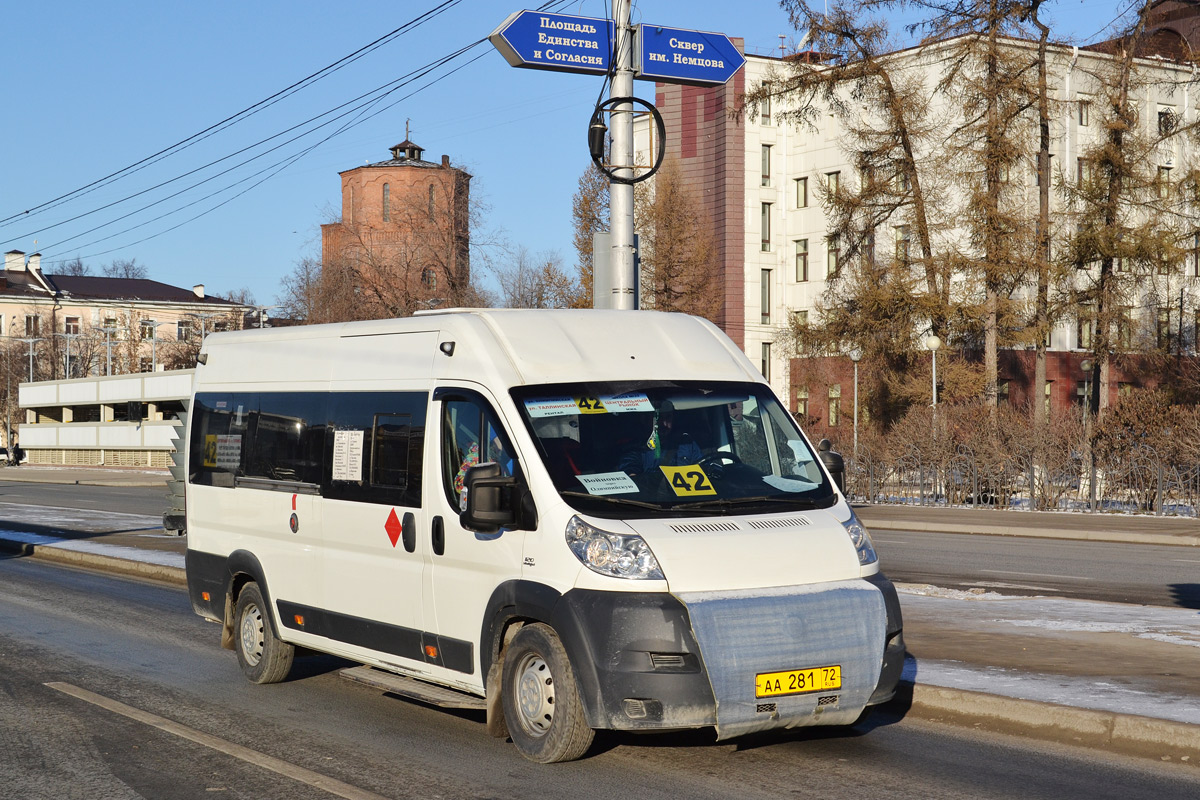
705	527
785	522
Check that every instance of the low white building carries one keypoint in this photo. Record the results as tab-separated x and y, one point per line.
122	420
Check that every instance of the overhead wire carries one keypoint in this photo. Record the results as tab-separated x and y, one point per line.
273	169
238	117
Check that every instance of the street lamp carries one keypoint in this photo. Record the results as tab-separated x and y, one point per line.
30	341
262	312
154	342
856	356
68	337
934	343
108	332
202	318
1086	365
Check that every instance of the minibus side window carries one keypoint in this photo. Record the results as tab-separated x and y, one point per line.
285	436
374	447
470	435
219	422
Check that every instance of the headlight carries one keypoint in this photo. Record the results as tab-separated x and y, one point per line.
861	539
613	554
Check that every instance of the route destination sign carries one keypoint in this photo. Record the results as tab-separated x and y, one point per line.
672	55
563	42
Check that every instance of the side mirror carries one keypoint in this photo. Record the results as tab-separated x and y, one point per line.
491	499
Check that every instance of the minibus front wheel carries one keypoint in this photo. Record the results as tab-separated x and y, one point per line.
262	657
542	707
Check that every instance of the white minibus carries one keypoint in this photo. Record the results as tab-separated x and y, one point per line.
577	520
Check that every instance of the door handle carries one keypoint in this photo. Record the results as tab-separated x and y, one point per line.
439	536
409	532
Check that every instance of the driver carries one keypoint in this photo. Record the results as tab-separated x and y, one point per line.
668	445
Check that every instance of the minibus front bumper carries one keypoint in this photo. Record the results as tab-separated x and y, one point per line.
655	661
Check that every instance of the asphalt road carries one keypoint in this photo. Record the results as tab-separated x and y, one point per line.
112	688
130	500
1123	573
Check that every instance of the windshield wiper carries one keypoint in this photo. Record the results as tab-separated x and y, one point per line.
624	501
729	502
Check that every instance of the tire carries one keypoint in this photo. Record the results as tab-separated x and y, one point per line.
541	698
262	657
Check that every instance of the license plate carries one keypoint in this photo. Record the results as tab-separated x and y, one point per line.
798	681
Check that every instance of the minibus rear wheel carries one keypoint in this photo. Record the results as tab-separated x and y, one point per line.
541	699
262	657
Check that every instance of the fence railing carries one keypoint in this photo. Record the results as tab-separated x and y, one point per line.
1140	482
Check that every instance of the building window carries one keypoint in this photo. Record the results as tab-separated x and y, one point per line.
1125	327
1162	329
33	325
429	279
146	329
183	330
764	296
801	260
1166	122
801	192
835	405
1082	171
1081	392
764	106
903	238
1085	327
765	365
802	401
765	225
70	324
387	202
766	165
1196	254
833	256
431	201
145	364
1163	182
1002	393
1085	107
831	182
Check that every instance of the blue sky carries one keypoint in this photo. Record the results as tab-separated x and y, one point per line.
91	88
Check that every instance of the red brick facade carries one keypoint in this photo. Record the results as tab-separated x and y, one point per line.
409	213
709	142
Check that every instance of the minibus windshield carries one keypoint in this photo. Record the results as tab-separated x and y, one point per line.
636	449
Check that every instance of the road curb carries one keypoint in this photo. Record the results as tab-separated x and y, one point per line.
122	566
1140	537
1128	734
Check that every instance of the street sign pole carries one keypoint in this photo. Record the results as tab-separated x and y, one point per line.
621	193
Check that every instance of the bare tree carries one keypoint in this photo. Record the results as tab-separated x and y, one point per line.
589	215
536	281
125	268
74	267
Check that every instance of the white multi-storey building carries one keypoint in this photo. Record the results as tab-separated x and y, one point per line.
761	180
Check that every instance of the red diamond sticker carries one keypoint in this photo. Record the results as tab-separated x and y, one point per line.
393	527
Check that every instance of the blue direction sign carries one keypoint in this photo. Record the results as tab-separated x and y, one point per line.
672	55
560	42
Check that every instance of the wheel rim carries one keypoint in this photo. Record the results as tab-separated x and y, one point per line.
252	635
535	695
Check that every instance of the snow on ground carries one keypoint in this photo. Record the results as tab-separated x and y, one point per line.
1051	617
159	557
77	519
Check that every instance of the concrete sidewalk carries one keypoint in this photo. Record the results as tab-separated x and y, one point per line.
1115	677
